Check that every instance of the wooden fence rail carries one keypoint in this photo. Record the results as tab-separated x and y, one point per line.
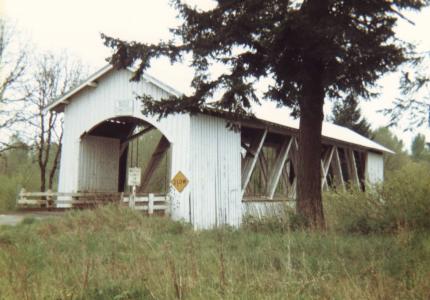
151	203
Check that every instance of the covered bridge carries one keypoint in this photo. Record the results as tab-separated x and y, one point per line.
223	173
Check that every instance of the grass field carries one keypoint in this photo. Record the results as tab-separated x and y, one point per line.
115	253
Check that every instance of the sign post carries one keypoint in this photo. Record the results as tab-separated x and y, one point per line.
134	175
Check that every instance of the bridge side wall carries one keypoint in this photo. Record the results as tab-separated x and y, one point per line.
215	173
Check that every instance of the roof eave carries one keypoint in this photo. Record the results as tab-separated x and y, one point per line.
90	82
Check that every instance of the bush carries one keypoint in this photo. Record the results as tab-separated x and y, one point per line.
402	202
9	189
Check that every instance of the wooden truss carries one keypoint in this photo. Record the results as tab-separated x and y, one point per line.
156	158
284	166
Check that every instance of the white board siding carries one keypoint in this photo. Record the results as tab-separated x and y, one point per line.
92	106
215	173
266	209
98	164
374	168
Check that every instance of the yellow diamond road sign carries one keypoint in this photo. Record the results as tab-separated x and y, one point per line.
180	181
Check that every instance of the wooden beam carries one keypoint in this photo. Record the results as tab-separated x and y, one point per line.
366	168
279	165
294	155
337	169
325	165
352	168
156	158
251	159
132	137
264	168
140	133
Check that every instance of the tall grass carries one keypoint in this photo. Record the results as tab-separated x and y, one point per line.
116	253
377	246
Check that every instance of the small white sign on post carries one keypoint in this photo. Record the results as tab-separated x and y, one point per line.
134	175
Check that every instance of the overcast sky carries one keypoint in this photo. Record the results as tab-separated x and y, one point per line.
76	25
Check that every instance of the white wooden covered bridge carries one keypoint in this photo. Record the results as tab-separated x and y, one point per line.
227	172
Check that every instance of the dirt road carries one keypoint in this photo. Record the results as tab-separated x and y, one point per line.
16	217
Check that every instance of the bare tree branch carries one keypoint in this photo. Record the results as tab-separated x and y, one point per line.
53	75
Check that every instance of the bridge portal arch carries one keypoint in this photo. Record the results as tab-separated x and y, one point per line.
108	148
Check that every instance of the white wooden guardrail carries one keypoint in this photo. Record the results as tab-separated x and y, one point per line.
151	203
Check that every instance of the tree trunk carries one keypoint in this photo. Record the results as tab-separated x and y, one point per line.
55	163
42	179
309	199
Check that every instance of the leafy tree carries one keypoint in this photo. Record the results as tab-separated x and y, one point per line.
17	169
419	149
396	161
312	49
347	113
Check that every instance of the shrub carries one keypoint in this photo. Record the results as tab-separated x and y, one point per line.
9	189
402	202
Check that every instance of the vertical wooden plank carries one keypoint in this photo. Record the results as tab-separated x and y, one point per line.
251	159
375	168
263	164
279	165
352	168
151	204
49	199
21	197
132	198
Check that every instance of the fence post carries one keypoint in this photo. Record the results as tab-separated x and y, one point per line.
48	198
150	204
21	195
168	203
132	198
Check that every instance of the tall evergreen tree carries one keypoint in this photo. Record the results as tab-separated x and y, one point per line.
347	113
312	49
419	148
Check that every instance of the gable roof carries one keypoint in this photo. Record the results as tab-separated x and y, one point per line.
92	81
329	131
